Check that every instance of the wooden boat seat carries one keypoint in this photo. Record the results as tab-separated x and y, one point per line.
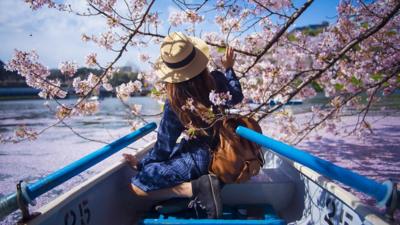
271	186
270	191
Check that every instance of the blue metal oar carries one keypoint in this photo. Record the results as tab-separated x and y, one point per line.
381	192
9	204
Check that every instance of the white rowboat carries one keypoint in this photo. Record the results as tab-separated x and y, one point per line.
297	194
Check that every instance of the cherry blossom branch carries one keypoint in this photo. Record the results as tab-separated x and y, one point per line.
340	55
208	42
366	110
89	139
138	114
270	11
121	51
105	72
77	133
163	36
344	102
369	10
279	34
340	59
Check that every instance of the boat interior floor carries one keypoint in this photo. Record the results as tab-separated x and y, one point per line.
176	211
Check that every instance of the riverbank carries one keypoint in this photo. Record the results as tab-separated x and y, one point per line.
21	93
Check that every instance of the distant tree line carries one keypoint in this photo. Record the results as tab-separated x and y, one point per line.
12	79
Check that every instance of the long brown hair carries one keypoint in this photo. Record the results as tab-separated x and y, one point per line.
198	89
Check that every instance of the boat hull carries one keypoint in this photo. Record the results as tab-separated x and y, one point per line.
297	194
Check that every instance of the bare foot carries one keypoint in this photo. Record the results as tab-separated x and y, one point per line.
132	160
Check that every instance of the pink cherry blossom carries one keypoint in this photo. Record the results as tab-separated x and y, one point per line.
104	5
176	18
154	20
36	4
63	111
85	86
275	4
137	5
85	108
68	68
85	38
181	17
189	105
91	59
135	109
135	124
106	40
125	90
141	76
23	132
219	98
193	16
25	63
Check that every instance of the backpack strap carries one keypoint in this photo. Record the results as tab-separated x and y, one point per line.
214	134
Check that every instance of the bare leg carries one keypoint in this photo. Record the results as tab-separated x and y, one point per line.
183	190
147	200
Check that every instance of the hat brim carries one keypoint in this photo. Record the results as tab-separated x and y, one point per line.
194	68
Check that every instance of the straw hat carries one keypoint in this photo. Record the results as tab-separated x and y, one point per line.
182	58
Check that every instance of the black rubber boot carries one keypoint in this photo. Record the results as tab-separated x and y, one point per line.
207	195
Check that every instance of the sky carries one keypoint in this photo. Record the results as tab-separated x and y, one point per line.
56	36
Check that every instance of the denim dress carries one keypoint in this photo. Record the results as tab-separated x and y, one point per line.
169	163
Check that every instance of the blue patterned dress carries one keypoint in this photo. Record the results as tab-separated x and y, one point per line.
168	163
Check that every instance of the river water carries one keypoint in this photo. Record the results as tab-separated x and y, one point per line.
377	156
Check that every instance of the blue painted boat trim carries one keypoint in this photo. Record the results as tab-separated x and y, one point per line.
212	221
381	192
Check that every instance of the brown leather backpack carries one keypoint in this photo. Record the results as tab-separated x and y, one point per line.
235	159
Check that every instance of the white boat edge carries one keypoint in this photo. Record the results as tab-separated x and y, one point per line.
346	197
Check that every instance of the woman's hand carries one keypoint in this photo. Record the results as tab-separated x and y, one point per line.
132	160
229	58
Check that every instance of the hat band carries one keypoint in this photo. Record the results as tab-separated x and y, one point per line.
182	63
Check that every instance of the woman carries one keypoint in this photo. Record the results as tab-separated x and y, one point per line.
173	170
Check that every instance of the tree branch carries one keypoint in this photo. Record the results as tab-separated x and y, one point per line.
278	35
376	85
344	50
